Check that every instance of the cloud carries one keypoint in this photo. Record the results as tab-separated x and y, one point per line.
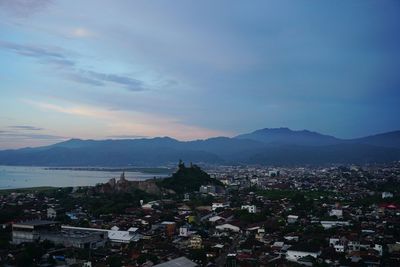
129	83
52	55
80	78
81	33
23	8
127	136
58	57
118	122
15	135
25	127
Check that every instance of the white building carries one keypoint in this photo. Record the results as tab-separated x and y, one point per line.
184	231
227	227
353	245
249	208
336	212
114	236
330	224
292	218
387	195
217	205
379	248
296	254
337	244
53	212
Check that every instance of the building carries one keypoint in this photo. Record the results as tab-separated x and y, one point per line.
196	242
114	236
178	262
227	227
336	212
292	218
38	230
76	238
337	244
249	208
169	228
52	213
217	205
30	231
330	224
296	253
387	195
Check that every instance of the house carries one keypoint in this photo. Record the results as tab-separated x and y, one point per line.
292	218
300	251
52	213
387	195
178	262
227	227
336	212
196	242
217	205
249	208
185	231
215	219
331	224
353	245
337	244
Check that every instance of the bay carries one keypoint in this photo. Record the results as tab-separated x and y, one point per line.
12	177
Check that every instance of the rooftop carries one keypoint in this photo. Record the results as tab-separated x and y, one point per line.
35	223
178	262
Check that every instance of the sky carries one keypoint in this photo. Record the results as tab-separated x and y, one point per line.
111	69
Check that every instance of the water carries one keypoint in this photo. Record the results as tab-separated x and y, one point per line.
12	177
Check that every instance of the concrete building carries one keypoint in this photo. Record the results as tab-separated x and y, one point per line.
196	242
38	230
294	254
217	205
387	195
249	208
336	212
52	213
337	244
227	227
330	224
292	218
30	231
76	238
114	236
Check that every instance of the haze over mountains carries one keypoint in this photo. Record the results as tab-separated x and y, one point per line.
276	146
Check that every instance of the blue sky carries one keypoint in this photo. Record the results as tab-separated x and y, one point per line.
196	69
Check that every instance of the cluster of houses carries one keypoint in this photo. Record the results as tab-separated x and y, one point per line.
336	216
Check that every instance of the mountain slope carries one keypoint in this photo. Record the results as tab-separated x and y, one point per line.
390	139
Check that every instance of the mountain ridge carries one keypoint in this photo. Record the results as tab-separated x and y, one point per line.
265	146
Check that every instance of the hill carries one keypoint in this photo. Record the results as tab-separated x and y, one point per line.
188	179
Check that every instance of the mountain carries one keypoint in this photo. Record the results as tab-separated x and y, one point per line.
390	139
290	137
280	146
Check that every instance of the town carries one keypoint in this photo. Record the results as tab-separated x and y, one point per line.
211	216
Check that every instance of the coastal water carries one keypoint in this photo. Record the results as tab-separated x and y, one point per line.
12	177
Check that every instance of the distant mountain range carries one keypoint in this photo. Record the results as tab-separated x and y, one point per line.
276	146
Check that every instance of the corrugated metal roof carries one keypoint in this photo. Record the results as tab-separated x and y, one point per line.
178	262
